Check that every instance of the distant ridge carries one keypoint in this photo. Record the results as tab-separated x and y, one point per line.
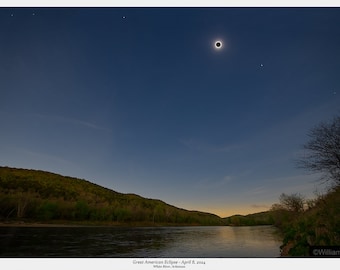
261	218
39	196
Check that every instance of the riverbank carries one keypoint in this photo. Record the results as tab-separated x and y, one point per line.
90	224
37	224
316	226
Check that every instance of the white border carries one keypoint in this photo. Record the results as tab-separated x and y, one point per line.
236	263
169	3
109	264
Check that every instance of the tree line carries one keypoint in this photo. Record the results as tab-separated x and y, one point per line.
42	196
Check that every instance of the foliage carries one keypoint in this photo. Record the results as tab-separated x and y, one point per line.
319	225
262	218
43	196
294	202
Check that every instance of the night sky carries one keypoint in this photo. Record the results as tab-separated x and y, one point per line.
139	100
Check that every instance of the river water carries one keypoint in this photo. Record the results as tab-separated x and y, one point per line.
140	242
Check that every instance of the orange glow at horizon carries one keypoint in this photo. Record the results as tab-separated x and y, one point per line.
232	210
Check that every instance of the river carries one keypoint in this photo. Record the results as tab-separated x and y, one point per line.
140	242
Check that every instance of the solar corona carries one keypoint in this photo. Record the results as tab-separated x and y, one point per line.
218	44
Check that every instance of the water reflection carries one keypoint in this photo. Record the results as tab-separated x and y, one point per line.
164	242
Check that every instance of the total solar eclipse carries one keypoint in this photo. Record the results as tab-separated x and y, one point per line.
218	44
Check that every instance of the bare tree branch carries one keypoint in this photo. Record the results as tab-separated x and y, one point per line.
322	151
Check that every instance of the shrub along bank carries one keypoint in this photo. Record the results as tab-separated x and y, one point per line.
318	225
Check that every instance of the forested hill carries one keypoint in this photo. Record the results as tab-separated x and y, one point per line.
39	196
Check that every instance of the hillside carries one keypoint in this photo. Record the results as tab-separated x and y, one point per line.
261	218
39	196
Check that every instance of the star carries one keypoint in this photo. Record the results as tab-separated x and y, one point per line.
124	17
261	65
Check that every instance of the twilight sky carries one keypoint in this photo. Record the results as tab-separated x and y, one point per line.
138	99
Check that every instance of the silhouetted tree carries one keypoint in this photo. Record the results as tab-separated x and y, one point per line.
293	202
322	151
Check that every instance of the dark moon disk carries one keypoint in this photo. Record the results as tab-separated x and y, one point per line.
218	44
